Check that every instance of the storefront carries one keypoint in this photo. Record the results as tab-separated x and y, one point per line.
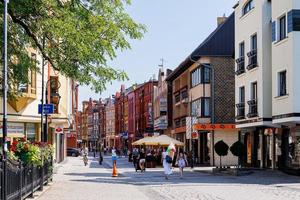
288	147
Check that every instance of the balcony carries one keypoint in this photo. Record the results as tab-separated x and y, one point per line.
240	111
240	65
252	60
252	108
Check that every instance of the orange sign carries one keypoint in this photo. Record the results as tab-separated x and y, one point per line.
210	127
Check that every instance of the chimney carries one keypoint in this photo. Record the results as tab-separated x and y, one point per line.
221	20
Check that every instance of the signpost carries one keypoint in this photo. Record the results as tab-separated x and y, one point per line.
48	109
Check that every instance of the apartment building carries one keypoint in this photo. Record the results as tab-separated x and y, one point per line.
162	108
253	82
110	122
144	121
203	89
285	102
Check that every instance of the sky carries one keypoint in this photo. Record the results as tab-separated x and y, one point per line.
174	29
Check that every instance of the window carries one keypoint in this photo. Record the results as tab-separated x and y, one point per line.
282	83
254	42
200	75
248	7
196	77
282	28
196	105
206	74
254	91
242	94
242	49
205	107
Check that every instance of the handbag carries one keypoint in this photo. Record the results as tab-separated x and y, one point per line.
168	159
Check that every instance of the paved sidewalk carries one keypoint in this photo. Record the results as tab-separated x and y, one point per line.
75	181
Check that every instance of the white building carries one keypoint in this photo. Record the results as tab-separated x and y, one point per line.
267	88
285	80
253	80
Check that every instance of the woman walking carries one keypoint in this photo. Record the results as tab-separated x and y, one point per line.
166	163
182	161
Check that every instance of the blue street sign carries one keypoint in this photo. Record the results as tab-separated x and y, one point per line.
48	109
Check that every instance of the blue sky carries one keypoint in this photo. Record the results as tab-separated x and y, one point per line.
174	29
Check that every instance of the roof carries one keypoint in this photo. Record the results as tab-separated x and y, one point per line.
219	43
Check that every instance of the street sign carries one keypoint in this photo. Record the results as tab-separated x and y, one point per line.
48	109
195	135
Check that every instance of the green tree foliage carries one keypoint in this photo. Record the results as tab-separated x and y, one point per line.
81	36
221	149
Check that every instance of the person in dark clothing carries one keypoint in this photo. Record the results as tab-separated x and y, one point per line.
142	158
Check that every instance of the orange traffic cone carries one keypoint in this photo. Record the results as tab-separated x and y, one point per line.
115	172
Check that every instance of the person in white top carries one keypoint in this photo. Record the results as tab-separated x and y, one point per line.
167	166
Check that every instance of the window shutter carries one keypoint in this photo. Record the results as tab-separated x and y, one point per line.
273	31
290	21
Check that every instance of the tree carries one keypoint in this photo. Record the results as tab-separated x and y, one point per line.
80	37
221	149
238	149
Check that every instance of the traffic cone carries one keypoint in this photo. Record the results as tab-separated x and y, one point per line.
115	172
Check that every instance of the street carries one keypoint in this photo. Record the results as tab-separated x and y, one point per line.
75	181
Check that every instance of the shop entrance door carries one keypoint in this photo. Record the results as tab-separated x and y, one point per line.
204	157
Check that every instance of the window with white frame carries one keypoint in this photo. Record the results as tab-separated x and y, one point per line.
254	91
242	49
248	6
196	77
282	27
196	108
282	83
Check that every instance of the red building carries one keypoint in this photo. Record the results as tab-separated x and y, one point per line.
73	129
144	119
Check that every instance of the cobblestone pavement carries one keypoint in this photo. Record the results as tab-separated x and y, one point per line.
77	182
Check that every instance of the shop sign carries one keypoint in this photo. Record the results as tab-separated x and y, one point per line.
195	135
161	123
163	107
210	127
59	129
13	128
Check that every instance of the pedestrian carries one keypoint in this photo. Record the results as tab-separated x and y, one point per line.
167	163
181	162
142	158
135	155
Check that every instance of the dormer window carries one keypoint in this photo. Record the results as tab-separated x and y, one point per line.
248	6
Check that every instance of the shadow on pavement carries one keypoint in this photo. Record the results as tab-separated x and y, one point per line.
156	177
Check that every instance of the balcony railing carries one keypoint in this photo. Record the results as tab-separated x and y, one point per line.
252	59
240	65
240	111
252	108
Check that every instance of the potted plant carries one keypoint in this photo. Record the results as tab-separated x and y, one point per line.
221	149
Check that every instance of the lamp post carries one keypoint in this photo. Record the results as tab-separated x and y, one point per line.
4	88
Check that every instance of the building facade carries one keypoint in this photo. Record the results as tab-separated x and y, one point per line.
203	96
161	111
144	121
110	122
